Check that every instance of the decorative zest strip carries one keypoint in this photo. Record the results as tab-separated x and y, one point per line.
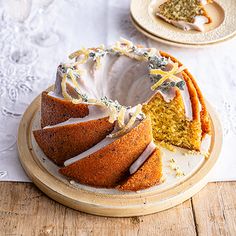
121	117
126	47
166	75
83	52
129	124
63	87
73	79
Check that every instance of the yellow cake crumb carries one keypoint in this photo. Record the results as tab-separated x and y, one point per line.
171	124
176	168
168	146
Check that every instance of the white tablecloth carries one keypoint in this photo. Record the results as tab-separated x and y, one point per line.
90	23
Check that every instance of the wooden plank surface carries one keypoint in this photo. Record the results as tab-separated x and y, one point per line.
25	210
215	209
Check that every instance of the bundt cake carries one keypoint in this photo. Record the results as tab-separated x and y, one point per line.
185	14
111	107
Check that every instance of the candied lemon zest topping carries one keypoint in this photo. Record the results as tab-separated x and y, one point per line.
126	47
121	117
127	42
83	52
126	52
63	87
129	124
166	75
112	114
86	54
92	100
73	79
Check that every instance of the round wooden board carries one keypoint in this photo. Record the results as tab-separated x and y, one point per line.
222	27
115	205
172	43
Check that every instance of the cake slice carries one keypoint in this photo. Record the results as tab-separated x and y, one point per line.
108	164
55	109
59	143
183	121
185	14
148	175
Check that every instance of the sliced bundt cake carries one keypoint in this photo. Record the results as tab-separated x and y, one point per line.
102	143
110	164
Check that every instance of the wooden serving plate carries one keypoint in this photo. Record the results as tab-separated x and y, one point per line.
112	202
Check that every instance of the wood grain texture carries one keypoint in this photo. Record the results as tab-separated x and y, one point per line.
25	210
102	203
215	209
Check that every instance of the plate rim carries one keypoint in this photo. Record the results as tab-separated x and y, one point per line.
121	205
154	29
173	43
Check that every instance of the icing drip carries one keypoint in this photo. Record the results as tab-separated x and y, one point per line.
90	151
170	94
95	112
187	103
105	142
142	158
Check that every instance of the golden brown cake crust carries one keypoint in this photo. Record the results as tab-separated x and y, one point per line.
109	165
205	121
63	142
55	110
148	175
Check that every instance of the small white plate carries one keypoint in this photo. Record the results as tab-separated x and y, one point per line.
223	24
172	43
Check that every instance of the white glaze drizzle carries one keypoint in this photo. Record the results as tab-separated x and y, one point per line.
142	158
95	112
122	78
187	103
185	94
131	80
105	142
